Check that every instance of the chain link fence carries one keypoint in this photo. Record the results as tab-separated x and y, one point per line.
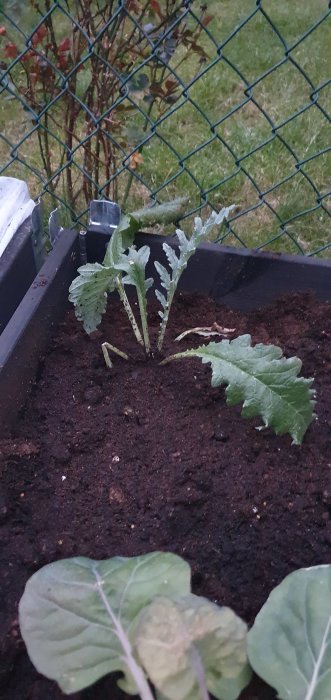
225	102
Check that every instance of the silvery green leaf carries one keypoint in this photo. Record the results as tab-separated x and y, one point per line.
171	255
76	615
187	247
161	298
266	382
164	274
223	214
183	241
134	264
114	250
289	645
189	645
88	293
202	230
198	225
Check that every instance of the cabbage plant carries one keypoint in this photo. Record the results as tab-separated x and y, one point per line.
289	645
81	619
259	376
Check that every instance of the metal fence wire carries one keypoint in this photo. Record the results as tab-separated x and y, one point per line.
226	102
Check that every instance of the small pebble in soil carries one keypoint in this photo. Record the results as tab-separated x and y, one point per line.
116	495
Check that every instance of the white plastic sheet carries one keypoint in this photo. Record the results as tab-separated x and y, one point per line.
15	207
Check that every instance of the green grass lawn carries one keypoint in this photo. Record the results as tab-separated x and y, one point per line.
283	93
238	131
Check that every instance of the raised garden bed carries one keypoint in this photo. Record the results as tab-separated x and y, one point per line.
18	269
21	245
142	458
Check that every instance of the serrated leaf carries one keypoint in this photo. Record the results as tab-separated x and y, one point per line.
161	298
217	219
134	264
183	241
88	293
189	645
187	248
76	614
289	645
266	382
164	275
171	255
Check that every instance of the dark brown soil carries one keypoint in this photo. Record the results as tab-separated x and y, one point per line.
142	458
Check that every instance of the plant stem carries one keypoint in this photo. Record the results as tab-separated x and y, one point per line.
165	319
135	670
125	301
105	349
177	356
143	317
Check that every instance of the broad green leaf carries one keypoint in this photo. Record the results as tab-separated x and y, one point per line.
88	293
165	213
76	614
132	222
230	688
289	645
189	645
121	239
266	382
114	250
128	227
